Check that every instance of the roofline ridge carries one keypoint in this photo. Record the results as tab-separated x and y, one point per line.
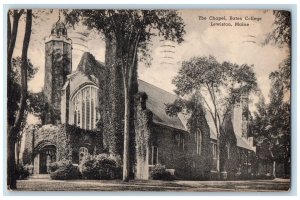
158	87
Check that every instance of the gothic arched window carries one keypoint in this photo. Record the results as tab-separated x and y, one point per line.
84	107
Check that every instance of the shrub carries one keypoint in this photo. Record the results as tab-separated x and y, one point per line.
29	168
159	172
56	165
101	167
64	170
22	172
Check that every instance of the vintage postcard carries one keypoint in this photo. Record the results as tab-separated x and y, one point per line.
148	100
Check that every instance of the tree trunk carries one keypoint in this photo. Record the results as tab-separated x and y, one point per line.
15	129
12	32
127	80
11	165
18	149
274	169
126	135
11	40
218	155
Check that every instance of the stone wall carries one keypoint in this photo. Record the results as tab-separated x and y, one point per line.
171	152
66	138
202	161
36	136
176	148
76	137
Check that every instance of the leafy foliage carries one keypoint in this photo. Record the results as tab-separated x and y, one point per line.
282	76
271	124
56	165
167	22
159	172
14	95
281	34
41	108
216	86
100	167
64	170
22	172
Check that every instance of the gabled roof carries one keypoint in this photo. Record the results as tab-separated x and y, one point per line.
157	100
89	65
92	69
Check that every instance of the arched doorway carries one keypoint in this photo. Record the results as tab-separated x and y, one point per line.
47	156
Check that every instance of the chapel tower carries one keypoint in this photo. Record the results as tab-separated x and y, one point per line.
58	64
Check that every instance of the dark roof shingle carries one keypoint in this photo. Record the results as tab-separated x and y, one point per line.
157	100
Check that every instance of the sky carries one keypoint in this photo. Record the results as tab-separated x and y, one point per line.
237	44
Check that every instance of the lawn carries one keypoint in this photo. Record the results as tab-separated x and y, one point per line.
117	185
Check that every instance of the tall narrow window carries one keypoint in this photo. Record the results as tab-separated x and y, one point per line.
92	112
83	110
179	141
198	142
154	159
88	104
75	112
214	150
228	150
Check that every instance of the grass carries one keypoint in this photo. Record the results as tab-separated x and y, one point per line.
117	185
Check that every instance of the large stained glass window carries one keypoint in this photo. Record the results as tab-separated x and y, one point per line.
84	106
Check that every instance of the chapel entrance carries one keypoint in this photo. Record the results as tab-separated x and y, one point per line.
47	156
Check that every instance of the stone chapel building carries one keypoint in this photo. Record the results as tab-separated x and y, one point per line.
70	130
